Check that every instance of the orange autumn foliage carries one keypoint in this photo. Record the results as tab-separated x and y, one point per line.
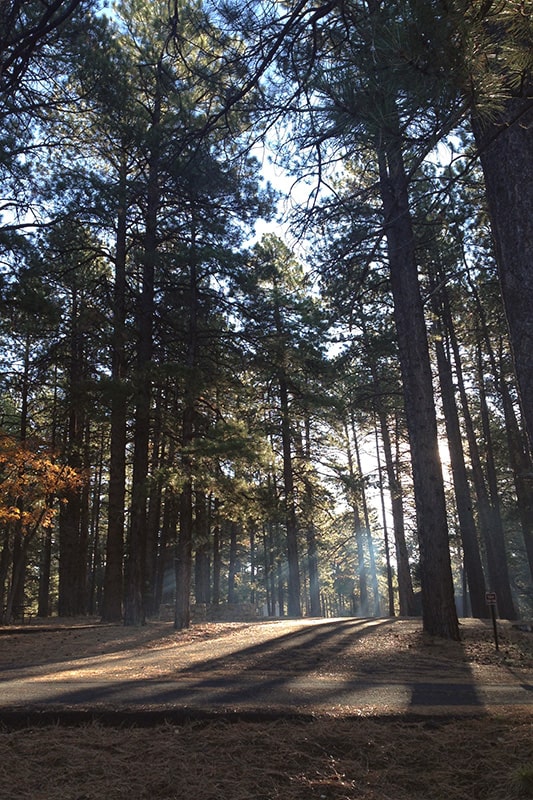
30	479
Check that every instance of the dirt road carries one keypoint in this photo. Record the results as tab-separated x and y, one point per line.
344	666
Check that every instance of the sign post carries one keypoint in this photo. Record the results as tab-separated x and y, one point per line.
490	598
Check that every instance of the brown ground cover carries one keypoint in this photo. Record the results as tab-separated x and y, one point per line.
325	757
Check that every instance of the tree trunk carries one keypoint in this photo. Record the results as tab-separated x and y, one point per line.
358	529
182	612
202	557
168	533
233	565
498	569
438	602
253	561
45	568
406	595
113	576
519	453
522	467
153	515
310	529
135	574
71	551
294	608
95	559
217	558
182	615
467	524
366	517
505	143
69	532
280	588
390	586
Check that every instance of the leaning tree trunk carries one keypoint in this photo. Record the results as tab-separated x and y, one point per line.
438	602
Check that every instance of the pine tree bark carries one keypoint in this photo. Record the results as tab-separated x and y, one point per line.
113	575
135	573
233	563
182	614
505	144
438	602
293	599
183	562
496	552
310	529
202	555
519	453
217	556
368	531
390	585
361	581
467	524
522	466
406	595
45	571
70	514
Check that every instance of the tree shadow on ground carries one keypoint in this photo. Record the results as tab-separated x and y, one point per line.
324	665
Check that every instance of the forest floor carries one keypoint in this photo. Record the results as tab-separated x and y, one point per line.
339	755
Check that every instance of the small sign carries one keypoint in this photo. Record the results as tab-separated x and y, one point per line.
490	598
